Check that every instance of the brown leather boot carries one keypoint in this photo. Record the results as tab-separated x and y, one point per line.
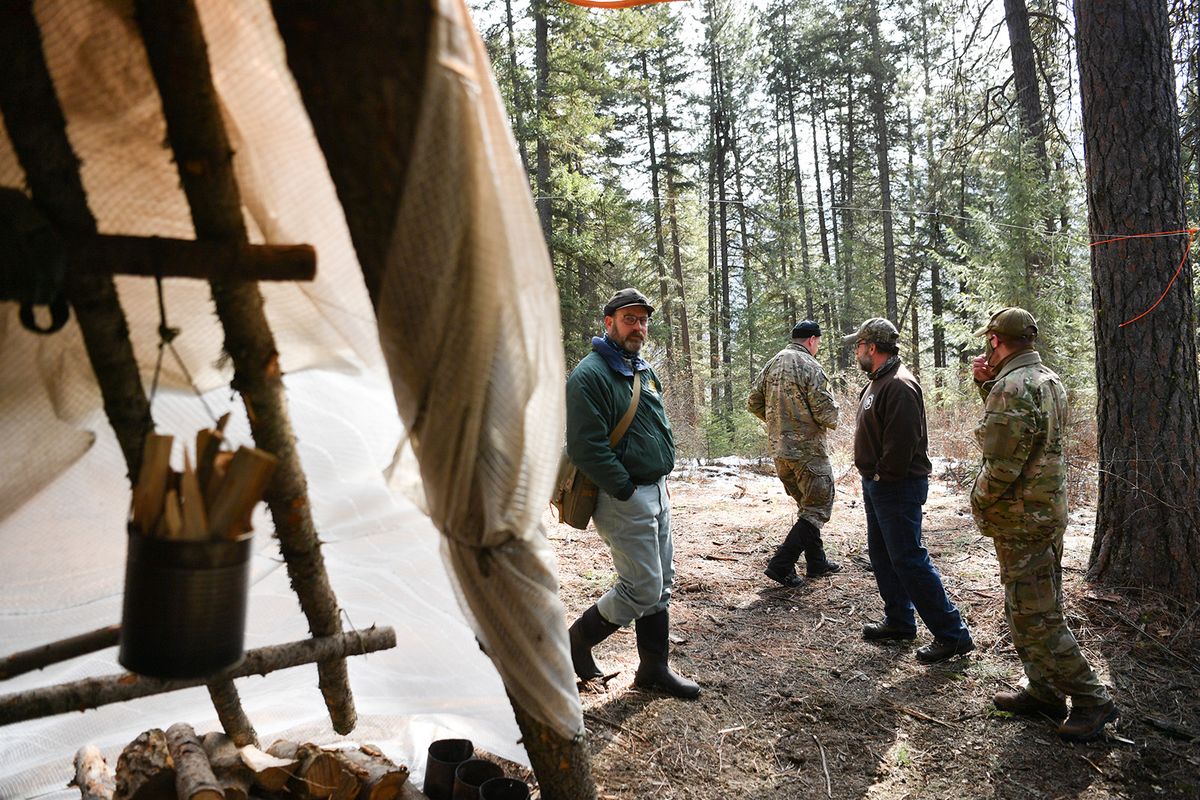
1088	722
1022	702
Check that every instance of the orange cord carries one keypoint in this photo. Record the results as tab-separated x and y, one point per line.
615	3
1191	233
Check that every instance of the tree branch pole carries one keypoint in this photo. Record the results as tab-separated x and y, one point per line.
152	256
94	692
37	129
178	58
62	650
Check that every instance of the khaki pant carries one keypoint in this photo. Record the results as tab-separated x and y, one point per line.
811	486
1032	576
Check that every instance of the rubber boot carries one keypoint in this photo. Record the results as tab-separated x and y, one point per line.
653	645
782	566
814	556
588	631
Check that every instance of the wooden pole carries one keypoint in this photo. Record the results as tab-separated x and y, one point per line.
179	60
37	129
183	258
94	692
54	652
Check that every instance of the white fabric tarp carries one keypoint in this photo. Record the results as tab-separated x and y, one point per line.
63	491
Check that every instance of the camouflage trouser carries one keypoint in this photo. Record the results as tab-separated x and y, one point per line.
810	484
1032	576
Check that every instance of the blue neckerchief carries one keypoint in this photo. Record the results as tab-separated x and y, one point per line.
617	357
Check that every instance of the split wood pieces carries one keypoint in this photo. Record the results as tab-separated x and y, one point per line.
180	764
214	500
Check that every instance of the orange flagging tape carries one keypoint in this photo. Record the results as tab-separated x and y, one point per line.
616	3
1191	234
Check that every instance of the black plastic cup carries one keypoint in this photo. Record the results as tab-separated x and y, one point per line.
444	757
503	789
470	775
184	610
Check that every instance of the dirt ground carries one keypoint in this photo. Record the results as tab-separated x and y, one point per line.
796	705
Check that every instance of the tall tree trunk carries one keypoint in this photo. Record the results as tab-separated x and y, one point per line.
1148	398
518	89
660	247
801	217
743	231
846	258
679	290
876	68
1033	125
541	62
785	279
812	124
932	197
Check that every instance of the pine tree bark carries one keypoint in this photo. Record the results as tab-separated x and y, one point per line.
660	245
1148	397
541	65
876	68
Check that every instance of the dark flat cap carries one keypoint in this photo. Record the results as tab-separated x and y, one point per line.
626	297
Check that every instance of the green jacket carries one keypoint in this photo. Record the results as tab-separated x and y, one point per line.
1020	490
598	394
791	395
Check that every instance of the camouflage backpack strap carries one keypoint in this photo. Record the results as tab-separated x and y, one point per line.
623	425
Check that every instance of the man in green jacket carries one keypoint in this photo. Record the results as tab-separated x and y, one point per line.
1020	500
633	509
791	395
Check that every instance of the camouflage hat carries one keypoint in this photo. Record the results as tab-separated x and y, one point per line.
876	330
1011	321
626	297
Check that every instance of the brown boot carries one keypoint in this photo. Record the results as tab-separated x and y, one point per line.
1088	722
1022	702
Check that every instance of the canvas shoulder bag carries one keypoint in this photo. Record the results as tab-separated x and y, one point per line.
575	495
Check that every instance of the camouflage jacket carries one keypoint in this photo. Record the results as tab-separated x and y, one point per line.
791	394
1020	491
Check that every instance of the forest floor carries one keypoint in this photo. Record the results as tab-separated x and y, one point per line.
796	705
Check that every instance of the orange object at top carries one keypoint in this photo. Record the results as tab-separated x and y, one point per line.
616	3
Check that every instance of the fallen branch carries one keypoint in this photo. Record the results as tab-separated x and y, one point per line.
919	715
825	767
94	692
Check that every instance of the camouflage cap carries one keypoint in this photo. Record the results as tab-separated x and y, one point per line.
1011	321
876	330
626	297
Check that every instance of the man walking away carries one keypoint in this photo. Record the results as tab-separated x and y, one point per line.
791	395
1020	500
633	509
890	452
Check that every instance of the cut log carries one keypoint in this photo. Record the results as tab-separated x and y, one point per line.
208	444
194	778
46	654
227	765
377	776
93	692
145	770
270	772
93	776
318	773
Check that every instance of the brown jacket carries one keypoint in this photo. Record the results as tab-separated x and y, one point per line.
891	441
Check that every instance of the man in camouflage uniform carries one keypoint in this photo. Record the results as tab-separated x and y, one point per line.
792	396
1019	499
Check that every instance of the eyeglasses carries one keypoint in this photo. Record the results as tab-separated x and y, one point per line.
630	319
860	343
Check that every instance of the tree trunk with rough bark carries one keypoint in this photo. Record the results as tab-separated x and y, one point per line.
1148	398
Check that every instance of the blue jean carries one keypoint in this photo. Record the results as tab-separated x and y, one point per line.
906	577
638	534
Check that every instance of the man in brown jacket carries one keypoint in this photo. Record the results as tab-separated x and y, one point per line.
890	444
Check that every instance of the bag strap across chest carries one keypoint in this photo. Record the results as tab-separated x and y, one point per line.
623	425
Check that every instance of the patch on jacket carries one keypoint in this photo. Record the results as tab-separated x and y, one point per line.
868	401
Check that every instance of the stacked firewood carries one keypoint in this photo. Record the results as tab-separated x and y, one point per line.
179	765
213	500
